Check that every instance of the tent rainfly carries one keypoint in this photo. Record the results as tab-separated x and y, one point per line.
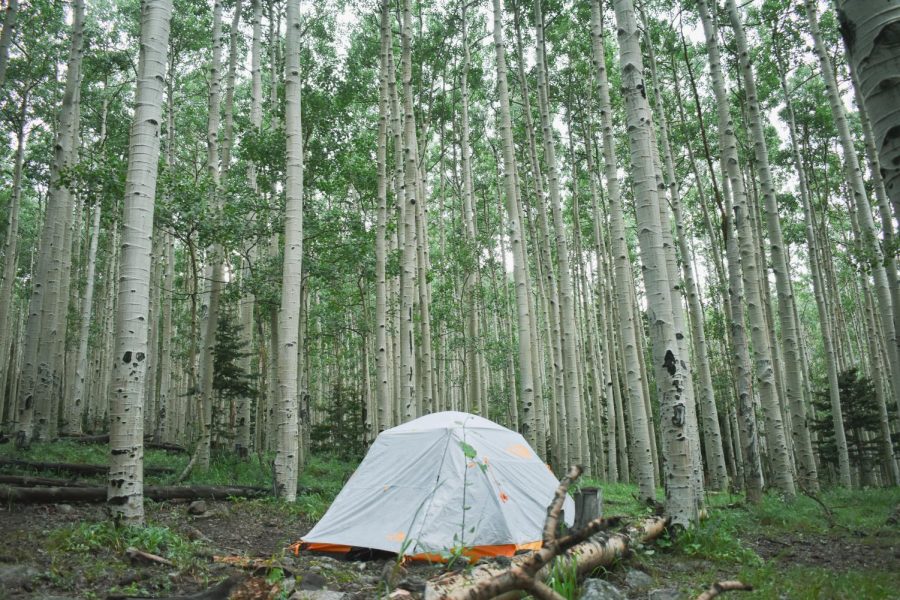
444	481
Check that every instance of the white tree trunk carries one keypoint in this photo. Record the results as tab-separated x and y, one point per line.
517	239
622	272
42	332
789	329
287	447
76	408
870	31
126	441
762	351
381	354
670	367
8	327
6	37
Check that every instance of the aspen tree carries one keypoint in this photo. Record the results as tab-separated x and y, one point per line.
409	392
381	358
217	274
868	29
566	295
473	365
789	329
712	436
762	351
670	368
643	463
6	36
126	436
287	443
8	329
550	293
517	238
75	409
42	328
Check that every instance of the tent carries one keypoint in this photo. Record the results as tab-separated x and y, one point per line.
448	480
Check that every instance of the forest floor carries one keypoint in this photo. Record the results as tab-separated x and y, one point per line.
849	550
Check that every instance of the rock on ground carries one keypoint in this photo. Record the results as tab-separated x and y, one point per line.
318	595
600	589
638	579
666	594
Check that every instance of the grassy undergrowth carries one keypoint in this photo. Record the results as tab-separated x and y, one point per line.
731	543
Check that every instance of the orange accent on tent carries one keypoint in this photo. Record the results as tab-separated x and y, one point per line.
474	553
335	548
520	450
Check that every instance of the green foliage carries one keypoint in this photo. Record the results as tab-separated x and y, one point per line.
563	578
230	379
89	538
342	431
861	418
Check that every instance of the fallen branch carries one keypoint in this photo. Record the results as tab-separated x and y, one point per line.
29	481
527	573
104	439
25	495
77	468
136	555
721	587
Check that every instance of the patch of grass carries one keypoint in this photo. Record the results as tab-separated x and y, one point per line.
93	538
815	583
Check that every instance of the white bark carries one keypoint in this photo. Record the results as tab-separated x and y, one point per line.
76	408
6	37
287	447
8	329
381	358
870	31
789	330
622	273
42	329
671	368
125	490
517	239
762	351
566	295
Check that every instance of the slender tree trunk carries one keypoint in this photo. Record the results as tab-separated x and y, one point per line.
215	253
43	328
381	365
6	36
125	491
879	92
409	394
762	352
10	263
789	330
566	295
76	408
643	465
712	437
517	238
670	367
287	451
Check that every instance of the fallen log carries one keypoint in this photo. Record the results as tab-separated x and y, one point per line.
139	555
77	468
721	587
527	573
29	481
104	439
25	495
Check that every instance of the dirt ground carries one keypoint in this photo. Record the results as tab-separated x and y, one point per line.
33	566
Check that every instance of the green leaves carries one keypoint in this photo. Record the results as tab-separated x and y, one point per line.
468	450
